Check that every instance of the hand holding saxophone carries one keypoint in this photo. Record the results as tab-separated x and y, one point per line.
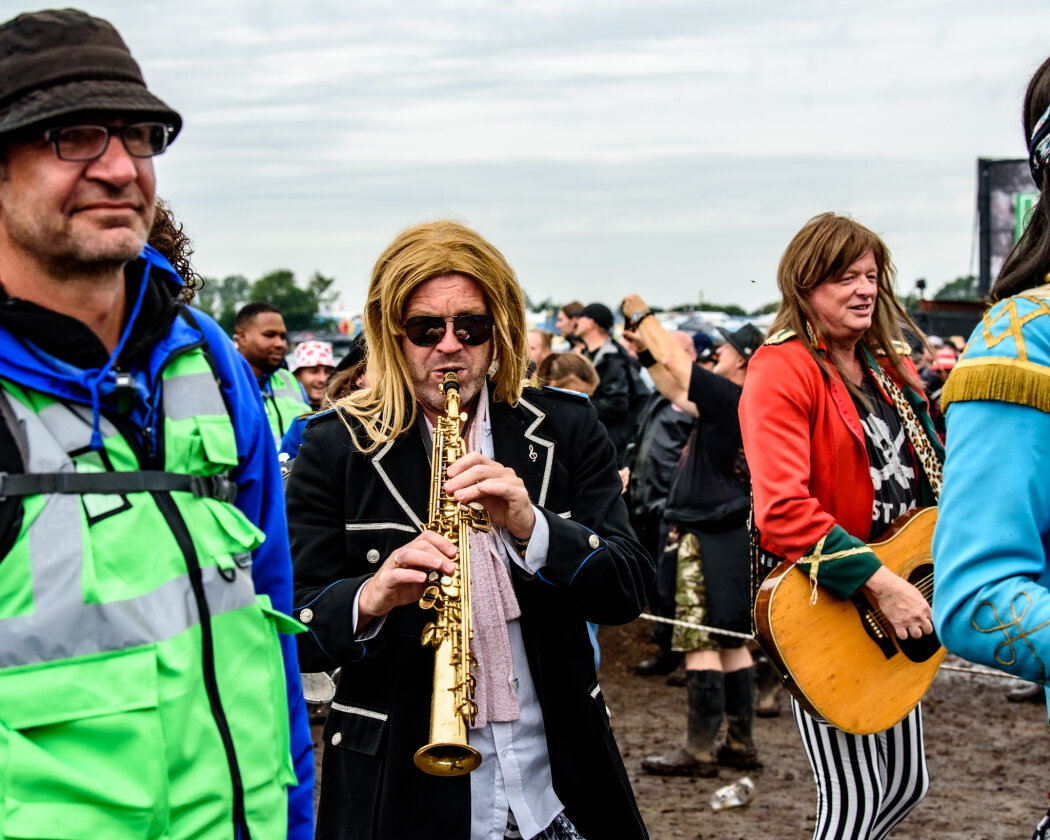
403	576
475	478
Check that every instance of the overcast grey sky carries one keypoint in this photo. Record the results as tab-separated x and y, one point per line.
663	147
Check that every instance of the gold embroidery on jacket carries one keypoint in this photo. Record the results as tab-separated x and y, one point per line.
1005	627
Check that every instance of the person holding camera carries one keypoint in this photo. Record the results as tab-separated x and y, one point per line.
707	505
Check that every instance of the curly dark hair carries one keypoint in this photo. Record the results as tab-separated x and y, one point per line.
168	237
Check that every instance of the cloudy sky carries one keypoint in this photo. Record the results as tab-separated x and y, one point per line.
667	147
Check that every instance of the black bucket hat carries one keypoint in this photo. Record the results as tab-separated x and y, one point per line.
61	62
745	340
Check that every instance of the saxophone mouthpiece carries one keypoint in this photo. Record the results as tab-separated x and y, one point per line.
450	380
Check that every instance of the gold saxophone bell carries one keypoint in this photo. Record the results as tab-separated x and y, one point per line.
452	706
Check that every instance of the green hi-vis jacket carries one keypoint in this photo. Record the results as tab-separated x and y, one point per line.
283	397
142	691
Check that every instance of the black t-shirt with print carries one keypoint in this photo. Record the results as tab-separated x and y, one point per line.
893	471
711	484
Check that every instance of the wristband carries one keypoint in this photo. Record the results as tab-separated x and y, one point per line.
646	359
641	316
520	545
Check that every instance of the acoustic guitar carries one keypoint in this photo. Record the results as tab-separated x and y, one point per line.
841	659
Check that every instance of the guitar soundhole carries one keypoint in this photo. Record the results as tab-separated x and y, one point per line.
921	649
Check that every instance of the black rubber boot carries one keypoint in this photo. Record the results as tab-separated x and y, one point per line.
660	664
706	704
1026	693
767	687
739	749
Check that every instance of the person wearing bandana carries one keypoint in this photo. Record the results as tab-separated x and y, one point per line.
991	548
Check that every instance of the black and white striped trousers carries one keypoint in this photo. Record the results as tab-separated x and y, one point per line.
866	784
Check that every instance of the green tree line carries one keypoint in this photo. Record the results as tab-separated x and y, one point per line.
300	304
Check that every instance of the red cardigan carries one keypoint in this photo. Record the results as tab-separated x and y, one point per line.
809	464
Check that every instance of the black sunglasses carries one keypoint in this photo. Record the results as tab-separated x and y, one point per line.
428	330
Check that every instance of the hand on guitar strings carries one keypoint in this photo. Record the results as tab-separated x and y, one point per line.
901	604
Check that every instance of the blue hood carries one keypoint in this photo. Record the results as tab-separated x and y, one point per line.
25	363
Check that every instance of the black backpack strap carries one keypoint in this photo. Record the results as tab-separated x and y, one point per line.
143	481
7	414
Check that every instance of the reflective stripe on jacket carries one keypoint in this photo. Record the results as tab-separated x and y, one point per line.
284	403
141	679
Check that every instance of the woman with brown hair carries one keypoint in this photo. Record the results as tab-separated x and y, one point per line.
569	371
834	421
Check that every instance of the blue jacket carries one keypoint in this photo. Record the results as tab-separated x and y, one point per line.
991	548
293	438
260	496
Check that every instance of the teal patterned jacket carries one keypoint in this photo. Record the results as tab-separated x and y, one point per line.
992	543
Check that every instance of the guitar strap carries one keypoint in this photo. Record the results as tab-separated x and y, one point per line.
762	561
920	443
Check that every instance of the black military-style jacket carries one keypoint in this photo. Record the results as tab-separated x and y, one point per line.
348	512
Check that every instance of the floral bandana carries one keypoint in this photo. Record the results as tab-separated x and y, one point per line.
313	353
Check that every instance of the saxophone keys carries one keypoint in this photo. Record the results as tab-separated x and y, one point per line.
430	636
430	598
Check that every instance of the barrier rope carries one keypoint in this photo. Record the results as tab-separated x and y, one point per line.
716	630
977	671
969	670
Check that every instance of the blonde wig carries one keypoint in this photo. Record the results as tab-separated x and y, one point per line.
826	246
421	253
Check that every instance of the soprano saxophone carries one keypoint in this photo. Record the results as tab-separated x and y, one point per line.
452	706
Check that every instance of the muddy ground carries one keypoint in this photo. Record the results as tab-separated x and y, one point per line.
989	760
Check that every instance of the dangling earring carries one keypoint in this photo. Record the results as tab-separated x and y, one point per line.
811	334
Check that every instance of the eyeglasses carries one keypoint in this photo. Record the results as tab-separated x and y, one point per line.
89	142
428	330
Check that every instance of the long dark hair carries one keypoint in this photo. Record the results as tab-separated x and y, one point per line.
1028	262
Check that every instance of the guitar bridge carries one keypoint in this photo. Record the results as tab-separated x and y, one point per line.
874	627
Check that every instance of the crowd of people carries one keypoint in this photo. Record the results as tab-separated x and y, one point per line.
188	521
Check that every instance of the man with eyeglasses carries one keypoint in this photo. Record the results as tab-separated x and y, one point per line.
144	689
560	553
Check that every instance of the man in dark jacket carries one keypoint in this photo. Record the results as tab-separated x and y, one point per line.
560	553
618	395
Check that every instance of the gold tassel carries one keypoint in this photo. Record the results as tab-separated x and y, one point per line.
814	563
1001	379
